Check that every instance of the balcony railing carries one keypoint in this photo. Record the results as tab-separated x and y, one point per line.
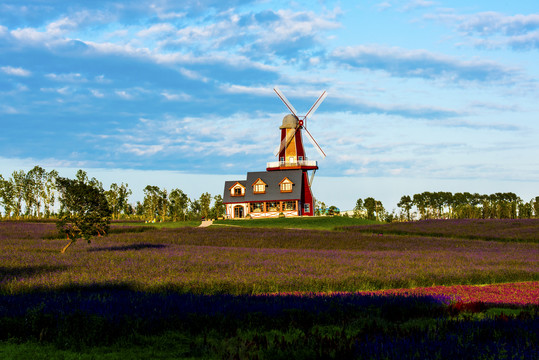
275	164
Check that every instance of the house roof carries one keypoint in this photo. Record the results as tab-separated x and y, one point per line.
273	189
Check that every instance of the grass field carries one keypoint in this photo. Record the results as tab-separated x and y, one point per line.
267	290
313	223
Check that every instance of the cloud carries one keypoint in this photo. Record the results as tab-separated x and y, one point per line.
493	29
417	4
16	71
156	30
491	23
419	64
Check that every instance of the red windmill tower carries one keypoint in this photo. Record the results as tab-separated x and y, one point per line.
284	189
291	153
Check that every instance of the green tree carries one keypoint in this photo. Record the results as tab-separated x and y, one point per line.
163	204
49	191
333	210
7	196
194	210
18	180
405	204
205	202
359	208
117	198
178	204
35	179
151	202
370	206
536	206
218	208
86	212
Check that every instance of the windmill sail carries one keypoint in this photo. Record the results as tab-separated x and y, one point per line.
285	100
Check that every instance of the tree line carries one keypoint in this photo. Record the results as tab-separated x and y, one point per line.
465	205
35	195
446	205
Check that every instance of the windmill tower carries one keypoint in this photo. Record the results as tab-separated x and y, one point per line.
284	189
290	152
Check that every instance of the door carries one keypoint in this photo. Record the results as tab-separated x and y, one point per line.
238	211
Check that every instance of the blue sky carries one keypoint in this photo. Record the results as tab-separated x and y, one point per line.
423	95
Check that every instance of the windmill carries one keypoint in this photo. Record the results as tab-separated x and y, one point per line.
294	123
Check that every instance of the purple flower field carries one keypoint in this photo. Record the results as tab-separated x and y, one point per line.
256	261
486	229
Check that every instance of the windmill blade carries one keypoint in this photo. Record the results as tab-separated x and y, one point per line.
316	104
285	100
285	142
315	144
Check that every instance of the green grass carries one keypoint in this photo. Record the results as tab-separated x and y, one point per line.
311	222
169	345
159	225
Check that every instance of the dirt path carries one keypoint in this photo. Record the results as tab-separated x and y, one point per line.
206	223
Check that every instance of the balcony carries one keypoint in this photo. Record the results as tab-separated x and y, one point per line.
293	164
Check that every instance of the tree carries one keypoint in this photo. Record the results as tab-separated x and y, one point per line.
406	205
205	201
163	204
178	203
194	210
370	206
333	210
85	213
7	196
18	180
151	202
117	198
49	191
35	183
218	208
536	206
359	208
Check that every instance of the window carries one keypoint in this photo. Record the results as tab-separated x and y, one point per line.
257	207
272	206
259	186
289	205
307	208
237	189
286	185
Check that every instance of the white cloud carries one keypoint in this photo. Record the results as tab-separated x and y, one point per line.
97	93
420	63
156	30
124	94
493	29
142	150
71	77
17	71
176	96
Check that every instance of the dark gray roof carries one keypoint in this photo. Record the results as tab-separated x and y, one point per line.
273	190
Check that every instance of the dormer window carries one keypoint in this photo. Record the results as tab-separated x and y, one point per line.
259	186
237	190
286	185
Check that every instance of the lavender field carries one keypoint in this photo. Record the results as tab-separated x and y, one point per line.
235	292
252	261
485	229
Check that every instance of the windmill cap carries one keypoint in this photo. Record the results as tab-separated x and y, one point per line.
289	122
